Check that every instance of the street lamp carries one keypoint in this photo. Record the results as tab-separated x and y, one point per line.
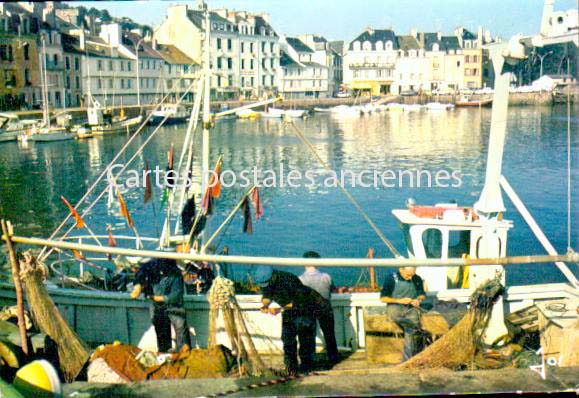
138	68
541	58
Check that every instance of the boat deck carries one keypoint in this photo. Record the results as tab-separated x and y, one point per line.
351	377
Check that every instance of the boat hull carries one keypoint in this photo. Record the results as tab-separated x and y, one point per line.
51	137
10	136
470	104
124	126
156	120
103	317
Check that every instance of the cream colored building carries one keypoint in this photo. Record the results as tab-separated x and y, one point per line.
244	48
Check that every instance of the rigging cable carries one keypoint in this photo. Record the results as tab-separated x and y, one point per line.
383	238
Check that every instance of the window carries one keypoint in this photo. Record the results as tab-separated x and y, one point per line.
122	66
111	83
475	58
263	63
218	81
129	83
122	83
388	45
262	46
272	63
54	59
251	65
99	65
271	47
432	241
263	80
26	51
458	243
77	82
251	48
242	47
379	45
242	64
100	83
27	77
367	46
229	44
229	63
218	43
458	64
219	65
356	46
435	47
67	63
467	59
111	65
252	81
129	66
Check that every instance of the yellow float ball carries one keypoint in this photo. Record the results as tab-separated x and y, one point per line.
38	379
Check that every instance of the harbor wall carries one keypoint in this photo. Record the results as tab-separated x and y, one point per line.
515	99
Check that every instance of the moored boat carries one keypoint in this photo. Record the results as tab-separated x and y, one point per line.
171	113
11	127
247	114
437	106
272	113
464	102
295	113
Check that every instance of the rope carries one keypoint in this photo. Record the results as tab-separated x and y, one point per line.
383	238
568	169
93	186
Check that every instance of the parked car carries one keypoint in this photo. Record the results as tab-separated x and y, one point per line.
408	93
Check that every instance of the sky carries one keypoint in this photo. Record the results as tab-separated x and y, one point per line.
346	19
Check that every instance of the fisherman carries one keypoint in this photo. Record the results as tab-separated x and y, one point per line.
297	304
322	283
161	281
403	291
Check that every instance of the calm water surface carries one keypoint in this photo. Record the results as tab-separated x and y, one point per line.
32	178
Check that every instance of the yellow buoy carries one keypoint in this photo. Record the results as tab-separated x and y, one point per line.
38	379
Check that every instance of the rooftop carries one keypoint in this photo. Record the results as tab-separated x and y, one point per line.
375	35
298	45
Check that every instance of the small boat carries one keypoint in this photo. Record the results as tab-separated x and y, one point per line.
346	110
171	113
411	107
247	114
295	113
323	110
117	125
464	102
100	123
47	134
437	106
11	127
272	113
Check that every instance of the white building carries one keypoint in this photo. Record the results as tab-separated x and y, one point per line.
558	26
244	48
370	61
413	67
326	55
300	76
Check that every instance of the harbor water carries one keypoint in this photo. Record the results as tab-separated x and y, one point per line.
316	217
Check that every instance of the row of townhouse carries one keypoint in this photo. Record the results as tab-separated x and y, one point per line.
249	59
38	47
379	61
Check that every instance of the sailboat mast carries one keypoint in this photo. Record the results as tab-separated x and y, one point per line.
45	114
206	104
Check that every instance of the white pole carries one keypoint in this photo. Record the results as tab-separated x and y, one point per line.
537	230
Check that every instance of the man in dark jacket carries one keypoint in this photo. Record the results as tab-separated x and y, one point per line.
298	304
162	282
403	291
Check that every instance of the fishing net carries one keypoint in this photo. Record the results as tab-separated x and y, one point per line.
222	298
457	348
72	352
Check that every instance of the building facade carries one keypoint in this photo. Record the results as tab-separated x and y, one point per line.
325	55
370	62
300	76
244	48
19	60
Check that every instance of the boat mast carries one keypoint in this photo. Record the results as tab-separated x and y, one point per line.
206	104
45	111
490	204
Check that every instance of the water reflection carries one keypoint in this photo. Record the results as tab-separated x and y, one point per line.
315	218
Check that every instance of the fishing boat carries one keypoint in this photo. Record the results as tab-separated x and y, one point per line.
465	102
105	316
102	122
172	113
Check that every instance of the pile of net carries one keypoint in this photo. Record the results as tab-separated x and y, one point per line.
458	348
72	352
222	299
120	363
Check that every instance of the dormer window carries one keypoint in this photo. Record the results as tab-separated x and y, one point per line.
412	53
356	46
389	45
435	47
367	46
379	46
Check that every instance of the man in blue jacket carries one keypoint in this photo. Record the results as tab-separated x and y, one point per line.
163	284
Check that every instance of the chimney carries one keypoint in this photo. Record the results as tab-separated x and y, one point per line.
480	36
547	12
414	33
81	39
370	30
439	35
111	33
